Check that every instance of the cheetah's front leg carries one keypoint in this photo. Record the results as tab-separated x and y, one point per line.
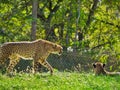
47	65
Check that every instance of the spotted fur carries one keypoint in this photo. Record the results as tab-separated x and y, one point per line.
37	50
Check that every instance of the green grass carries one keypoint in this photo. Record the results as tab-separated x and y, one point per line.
59	81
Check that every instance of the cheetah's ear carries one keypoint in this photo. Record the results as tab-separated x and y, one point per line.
94	65
103	64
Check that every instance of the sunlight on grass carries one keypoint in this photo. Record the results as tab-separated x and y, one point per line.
59	81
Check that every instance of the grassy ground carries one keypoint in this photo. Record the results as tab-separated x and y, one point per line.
59	81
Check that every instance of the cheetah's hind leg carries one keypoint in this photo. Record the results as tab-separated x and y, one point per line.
14	59
37	67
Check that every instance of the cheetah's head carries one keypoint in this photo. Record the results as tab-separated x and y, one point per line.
99	68
57	49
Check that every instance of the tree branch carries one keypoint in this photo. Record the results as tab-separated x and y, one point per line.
100	45
52	11
40	13
109	23
51	31
91	13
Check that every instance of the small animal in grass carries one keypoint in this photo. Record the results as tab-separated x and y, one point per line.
99	69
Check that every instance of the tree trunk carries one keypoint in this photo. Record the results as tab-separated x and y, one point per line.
34	19
91	14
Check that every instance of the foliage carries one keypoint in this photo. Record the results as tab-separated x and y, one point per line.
61	80
57	21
